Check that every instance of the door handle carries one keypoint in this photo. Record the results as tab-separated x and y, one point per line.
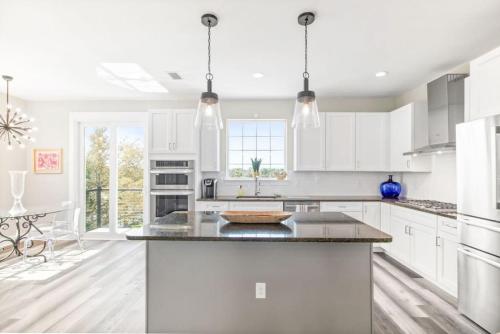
170	146
175	146
406	229
480	258
408	163
491	228
438	243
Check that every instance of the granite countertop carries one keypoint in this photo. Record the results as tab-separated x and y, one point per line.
199	226
400	202
296	198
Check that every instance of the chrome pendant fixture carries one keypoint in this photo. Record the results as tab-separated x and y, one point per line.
208	114
15	127
306	106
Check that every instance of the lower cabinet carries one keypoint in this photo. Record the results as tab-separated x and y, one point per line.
371	214
426	243
211	206
255	206
447	257
351	209
423	250
385	223
400	246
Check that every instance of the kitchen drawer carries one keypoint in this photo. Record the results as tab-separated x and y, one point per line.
448	225
415	216
256	206
341	206
212	206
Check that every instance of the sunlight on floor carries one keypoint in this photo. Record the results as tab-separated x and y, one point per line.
37	270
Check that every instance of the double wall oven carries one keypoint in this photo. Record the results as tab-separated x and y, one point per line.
172	187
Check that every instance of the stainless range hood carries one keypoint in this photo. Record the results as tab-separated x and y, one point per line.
445	97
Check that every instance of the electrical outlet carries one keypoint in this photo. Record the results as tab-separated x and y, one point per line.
260	290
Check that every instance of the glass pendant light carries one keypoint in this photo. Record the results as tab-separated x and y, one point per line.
306	106
208	113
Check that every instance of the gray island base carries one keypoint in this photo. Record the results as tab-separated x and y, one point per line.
317	271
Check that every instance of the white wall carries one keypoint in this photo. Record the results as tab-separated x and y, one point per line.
302	183
441	184
53	122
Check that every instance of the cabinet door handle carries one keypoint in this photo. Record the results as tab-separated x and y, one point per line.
170	146
438	242
409	230
408	163
174	146
406	229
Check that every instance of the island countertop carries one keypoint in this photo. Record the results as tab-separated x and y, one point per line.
301	227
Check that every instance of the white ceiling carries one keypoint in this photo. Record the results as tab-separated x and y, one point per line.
52	47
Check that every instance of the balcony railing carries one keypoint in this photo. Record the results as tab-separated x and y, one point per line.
130	207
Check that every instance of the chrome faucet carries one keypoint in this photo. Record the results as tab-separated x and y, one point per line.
257	190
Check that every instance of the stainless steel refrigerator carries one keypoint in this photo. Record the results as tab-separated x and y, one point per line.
478	202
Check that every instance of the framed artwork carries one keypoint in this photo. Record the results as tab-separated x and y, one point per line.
47	161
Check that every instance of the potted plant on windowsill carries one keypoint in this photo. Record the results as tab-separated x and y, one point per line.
256	167
256	173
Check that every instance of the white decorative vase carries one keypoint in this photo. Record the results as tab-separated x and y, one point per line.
17	178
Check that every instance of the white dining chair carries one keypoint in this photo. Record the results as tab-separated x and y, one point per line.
60	229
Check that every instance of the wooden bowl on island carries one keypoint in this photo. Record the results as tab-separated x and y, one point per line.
255	217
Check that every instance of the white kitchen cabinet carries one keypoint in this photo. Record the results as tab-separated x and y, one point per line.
372	141
256	206
211	206
447	242
484	83
351	209
385	223
209	150
309	147
371	214
400	247
172	131
340	132
423	250
408	131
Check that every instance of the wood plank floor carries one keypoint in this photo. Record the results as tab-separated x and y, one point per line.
102	290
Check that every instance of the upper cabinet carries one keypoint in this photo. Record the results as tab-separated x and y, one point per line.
309	147
172	131
372	141
484	83
409	131
340	141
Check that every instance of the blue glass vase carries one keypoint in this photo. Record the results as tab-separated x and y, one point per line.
390	188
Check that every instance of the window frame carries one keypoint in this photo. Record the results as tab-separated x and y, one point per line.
285	150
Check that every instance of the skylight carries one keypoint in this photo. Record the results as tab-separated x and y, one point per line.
130	76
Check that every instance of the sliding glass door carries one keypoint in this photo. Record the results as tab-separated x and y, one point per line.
113	176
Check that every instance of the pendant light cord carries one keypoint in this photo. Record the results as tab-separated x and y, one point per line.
209	74
305	74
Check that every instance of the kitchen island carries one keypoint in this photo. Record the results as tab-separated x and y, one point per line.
309	274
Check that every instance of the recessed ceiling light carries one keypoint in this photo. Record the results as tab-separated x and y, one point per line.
381	74
257	75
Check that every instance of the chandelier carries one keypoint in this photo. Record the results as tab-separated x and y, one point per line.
15	126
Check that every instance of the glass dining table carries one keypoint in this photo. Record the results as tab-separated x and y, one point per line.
16	228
